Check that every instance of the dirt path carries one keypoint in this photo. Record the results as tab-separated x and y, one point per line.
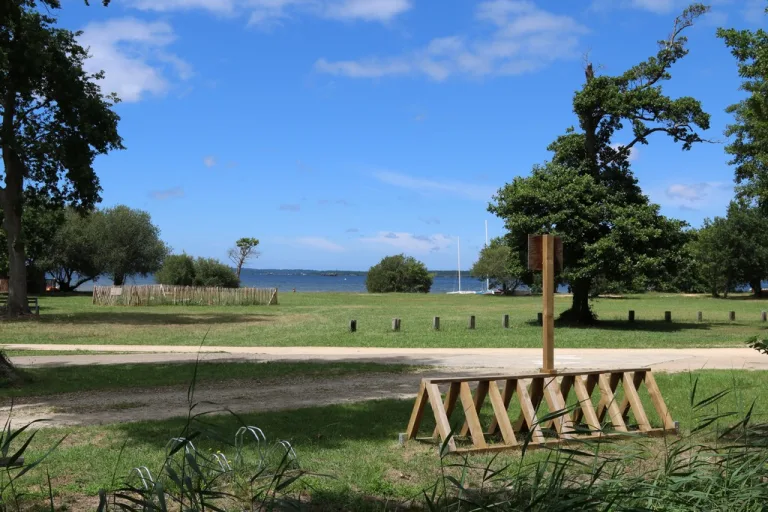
104	407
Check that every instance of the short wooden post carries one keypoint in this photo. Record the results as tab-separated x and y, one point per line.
765	316
699	316
732	316
505	322
436	323
471	322
353	326
540	318
667	316
631	316
395	324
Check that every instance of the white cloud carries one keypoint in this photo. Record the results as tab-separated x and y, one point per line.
634	152
320	243
695	196
456	188
133	55
209	161
408	242
523	38
271	12
170	193
755	12
657	6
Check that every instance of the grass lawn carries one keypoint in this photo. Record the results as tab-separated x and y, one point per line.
353	443
53	380
321	319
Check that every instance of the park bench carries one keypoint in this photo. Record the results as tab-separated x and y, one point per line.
34	305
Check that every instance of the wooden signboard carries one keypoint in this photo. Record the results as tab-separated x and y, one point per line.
536	256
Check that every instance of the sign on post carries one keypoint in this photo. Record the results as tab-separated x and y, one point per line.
545	253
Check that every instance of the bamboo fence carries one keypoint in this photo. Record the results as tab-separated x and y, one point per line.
162	295
3	285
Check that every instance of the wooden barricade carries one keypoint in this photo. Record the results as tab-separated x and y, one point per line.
595	410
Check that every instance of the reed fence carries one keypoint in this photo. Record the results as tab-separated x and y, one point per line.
162	295
3	285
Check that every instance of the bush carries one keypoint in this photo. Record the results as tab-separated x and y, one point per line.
211	272
177	269
399	273
183	270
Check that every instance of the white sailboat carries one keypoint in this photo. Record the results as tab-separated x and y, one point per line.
460	292
488	290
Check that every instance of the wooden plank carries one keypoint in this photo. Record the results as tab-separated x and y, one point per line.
470	412
509	389
441	420
630	391
637	379
480	394
556	403
529	412
500	413
450	402
584	396
446	380
658	401
566	384
614	379
548	303
607	398
418	412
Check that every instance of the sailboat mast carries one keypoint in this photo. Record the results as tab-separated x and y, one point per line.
487	281
458	245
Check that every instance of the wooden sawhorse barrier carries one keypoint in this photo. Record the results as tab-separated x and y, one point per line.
581	421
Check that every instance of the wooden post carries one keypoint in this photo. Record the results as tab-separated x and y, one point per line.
765	316
353	326
548	289
631	316
471	322
732	316
667	316
699	316
436	323
395	324
540	318
505	322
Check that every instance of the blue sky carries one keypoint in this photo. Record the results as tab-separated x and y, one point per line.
340	131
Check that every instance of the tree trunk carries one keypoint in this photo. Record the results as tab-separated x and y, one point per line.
11	200
580	312
757	287
118	279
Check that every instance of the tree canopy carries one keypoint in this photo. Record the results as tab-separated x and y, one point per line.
588	195
183	270
55	121
749	146
399	273
244	249
501	265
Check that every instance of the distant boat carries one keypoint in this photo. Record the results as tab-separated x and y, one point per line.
466	292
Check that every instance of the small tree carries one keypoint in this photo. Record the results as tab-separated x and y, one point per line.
177	270
245	249
399	273
130	243
501	265
74	251
211	272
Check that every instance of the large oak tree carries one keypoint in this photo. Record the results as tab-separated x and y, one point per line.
54	121
588	195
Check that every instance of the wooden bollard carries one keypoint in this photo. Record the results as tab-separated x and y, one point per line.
395	324
353	326
667	316
436	323
699	316
540	318
732	316
505	322
765	316
471	322
631	316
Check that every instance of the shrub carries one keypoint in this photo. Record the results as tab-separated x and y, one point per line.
211	272
177	269
399	273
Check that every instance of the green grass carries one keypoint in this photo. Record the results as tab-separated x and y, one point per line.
353	443
53	380
321	319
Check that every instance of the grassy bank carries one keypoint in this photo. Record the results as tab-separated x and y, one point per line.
66	379
355	443
321	319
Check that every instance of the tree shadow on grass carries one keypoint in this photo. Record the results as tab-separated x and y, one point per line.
637	325
129	317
